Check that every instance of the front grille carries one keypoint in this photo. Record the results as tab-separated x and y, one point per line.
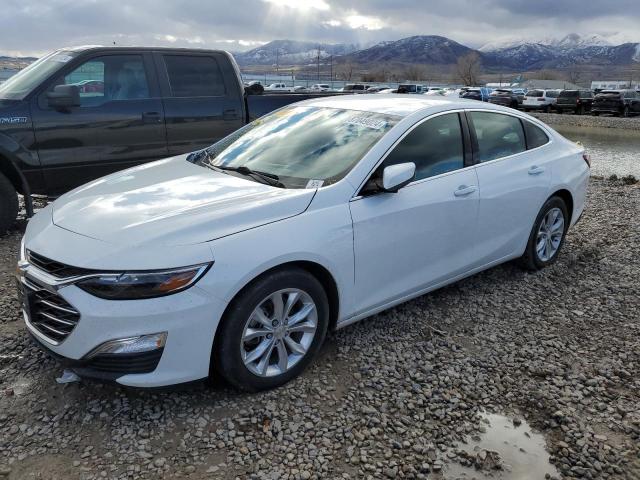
49	313
57	269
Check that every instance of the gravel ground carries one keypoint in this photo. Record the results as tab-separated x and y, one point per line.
631	123
395	396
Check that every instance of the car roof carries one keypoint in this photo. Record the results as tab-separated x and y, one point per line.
395	104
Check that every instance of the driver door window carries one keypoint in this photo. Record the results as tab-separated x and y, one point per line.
104	79
435	146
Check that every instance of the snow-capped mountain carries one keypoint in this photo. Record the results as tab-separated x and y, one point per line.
291	52
425	49
574	40
558	53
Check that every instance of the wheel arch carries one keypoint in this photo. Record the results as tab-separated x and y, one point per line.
567	198
319	271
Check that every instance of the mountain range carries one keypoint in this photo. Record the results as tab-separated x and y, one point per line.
522	55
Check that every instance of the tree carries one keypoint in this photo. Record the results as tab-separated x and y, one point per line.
344	71
574	75
469	69
415	72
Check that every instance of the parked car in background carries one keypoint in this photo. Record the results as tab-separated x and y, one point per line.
504	97
299	89
153	103
576	101
543	100
520	93
617	102
91	86
388	90
320	87
354	88
411	88
481	94
376	88
161	274
277	87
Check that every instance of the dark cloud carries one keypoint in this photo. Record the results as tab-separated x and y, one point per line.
33	26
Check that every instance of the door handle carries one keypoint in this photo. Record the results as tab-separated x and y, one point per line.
535	170
464	190
151	117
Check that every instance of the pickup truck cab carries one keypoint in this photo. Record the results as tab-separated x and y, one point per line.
78	114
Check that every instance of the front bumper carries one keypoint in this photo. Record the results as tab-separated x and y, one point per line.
107	368
189	318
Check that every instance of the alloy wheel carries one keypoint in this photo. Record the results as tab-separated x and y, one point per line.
279	332
550	234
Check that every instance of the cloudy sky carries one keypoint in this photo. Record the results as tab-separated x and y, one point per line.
31	27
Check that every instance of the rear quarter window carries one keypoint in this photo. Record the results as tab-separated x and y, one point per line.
536	137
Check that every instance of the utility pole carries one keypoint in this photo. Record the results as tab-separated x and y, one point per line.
318	63
331	69
277	59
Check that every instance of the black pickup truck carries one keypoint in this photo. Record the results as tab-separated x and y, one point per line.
80	113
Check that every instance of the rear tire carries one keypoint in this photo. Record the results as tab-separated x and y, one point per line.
625	112
547	235
8	204
547	109
252	325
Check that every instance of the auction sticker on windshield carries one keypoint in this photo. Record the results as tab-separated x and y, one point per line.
367	122
314	183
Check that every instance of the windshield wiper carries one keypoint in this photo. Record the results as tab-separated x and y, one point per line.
266	178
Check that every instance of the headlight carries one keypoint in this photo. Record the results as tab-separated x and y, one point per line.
139	285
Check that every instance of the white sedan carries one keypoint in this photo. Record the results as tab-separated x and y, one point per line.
237	259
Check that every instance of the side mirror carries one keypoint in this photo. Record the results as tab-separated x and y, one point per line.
394	177
64	96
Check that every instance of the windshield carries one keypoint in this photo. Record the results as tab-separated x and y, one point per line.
23	82
302	144
569	93
535	93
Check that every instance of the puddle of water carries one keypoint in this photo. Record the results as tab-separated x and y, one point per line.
612	150
522	452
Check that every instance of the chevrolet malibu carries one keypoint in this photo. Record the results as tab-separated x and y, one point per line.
236	260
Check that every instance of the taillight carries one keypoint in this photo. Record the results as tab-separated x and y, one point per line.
587	158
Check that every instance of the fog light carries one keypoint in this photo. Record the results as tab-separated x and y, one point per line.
123	346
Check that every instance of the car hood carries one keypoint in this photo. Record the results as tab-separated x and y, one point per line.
173	202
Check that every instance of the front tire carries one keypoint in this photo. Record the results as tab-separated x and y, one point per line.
272	330
547	235
8	204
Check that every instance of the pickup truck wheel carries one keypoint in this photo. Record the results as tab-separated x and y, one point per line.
8	204
625	112
547	235
272	330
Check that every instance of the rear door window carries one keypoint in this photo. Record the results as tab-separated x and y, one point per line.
194	76
497	135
